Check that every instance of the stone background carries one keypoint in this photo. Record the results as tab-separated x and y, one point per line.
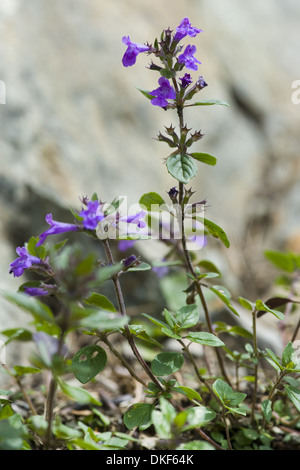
74	123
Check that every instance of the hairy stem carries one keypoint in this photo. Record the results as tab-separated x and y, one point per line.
105	340
255	366
127	333
187	256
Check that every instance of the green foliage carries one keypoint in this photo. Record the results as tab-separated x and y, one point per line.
184	406
167	363
181	167
88	362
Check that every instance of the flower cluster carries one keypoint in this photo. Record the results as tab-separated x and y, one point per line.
169	51
94	218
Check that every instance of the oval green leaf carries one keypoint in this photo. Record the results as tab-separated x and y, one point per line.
181	167
205	338
88	362
167	363
204	158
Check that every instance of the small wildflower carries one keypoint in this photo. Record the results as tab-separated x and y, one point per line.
186	80
162	93
160	271
130	261
56	227
92	215
188	58
24	261
135	219
186	29
132	51
173	193
124	245
36	291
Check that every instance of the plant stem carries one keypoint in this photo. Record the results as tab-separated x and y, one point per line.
272	393
187	256
105	340
51	394
127	334
25	394
255	366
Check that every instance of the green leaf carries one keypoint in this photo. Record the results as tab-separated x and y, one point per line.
139	415
12	433
187	316
274	360
88	362
281	260
246	303
198	416
163	419
204	338
294	395
167	363
215	231
208	103
37	309
6	411
167	73
209	266
225	296
103	320
169	319
240	331
22	370
146	94
181	167
226	394
189	392
77	394
99	300
152	201
140	267
266	407
170	333
33	250
17	334
61	431
288	355
204	158
155	321
260	305
196	445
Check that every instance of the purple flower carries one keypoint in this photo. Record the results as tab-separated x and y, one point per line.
162	93
124	245
130	261
56	227
132	51
36	291
186	80
48	346
92	215
24	261
186	29
173	193
161	271
188	58
135	219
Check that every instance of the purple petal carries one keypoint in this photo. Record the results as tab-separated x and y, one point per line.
56	228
